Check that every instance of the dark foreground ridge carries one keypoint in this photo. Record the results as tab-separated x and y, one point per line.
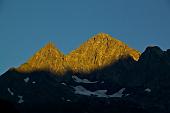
125	85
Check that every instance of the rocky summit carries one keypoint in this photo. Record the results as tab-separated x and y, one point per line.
99	51
48	58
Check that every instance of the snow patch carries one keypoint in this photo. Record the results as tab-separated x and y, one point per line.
78	80
20	99
33	82
148	90
26	79
98	93
118	94
127	95
9	90
64	83
68	100
82	91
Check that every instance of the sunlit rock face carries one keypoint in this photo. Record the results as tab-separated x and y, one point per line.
99	51
49	58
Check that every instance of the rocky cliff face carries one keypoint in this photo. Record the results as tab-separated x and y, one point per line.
99	51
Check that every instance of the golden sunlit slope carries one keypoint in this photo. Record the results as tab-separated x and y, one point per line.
99	51
48	58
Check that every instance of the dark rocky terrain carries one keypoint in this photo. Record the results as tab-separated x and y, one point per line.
104	75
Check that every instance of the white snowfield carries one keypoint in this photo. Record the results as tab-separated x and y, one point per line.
9	90
98	93
78	80
27	79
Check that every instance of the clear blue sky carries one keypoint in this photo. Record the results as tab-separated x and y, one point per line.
26	25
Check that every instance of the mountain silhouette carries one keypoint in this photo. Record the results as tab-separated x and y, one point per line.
103	75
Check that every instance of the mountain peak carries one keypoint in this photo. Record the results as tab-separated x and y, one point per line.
153	51
50	50
47	58
103	37
49	45
152	54
99	51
